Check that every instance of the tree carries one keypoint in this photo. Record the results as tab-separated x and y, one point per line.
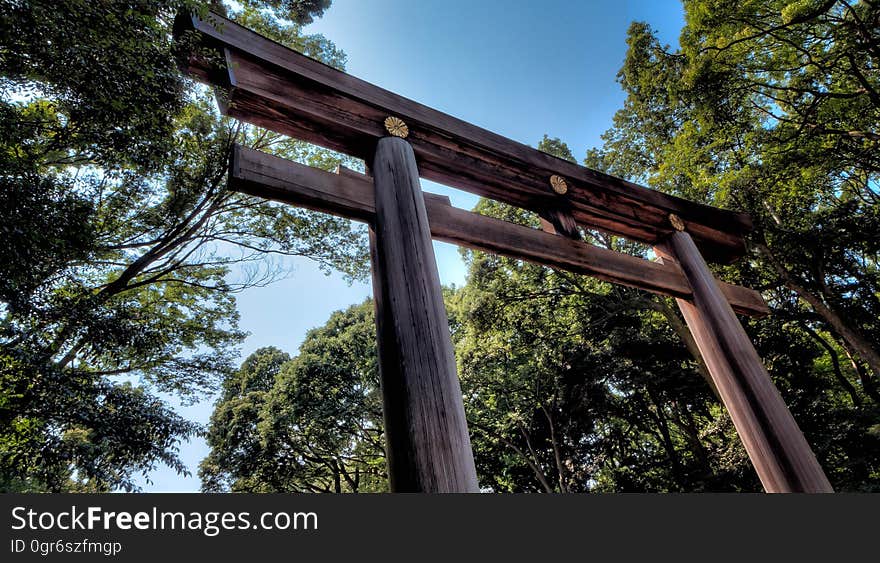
575	385
770	108
309	424
298	11
237	456
121	248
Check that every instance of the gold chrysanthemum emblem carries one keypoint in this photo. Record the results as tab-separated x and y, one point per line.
676	221
396	127
558	184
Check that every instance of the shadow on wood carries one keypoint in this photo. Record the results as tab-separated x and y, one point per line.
427	442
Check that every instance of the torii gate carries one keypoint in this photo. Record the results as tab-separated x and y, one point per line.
427	441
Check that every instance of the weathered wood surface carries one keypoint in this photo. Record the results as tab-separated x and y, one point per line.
350	194
428	445
280	89
774	442
560	221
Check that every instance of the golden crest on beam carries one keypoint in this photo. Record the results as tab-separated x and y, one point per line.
676	222
396	126
558	184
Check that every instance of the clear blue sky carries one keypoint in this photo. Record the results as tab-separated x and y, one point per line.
518	68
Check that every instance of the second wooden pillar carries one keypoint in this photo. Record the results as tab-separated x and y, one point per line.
776	446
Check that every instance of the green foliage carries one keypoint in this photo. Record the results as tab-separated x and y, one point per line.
575	385
311	423
52	420
237	456
121	248
105	68
556	147
298	11
772	108
315	46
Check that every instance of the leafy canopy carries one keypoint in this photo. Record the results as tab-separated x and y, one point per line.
121	249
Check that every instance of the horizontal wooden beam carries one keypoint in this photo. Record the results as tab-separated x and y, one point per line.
350	194
277	88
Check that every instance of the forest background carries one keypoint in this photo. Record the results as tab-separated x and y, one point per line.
126	266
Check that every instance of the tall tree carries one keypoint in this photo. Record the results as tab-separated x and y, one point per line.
772	108
238	456
121	248
308	424
769	107
572	384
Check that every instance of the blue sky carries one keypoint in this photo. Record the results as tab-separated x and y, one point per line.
518	68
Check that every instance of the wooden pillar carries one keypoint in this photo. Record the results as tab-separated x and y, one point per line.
776	446
427	443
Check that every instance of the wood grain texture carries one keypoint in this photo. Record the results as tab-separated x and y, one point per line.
428	445
559	220
277	88
775	444
350	194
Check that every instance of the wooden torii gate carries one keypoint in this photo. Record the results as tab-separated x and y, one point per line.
428	446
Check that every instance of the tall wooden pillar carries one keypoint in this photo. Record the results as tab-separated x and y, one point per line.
427	443
776	446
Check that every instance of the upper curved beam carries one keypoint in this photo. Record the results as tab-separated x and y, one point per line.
274	87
